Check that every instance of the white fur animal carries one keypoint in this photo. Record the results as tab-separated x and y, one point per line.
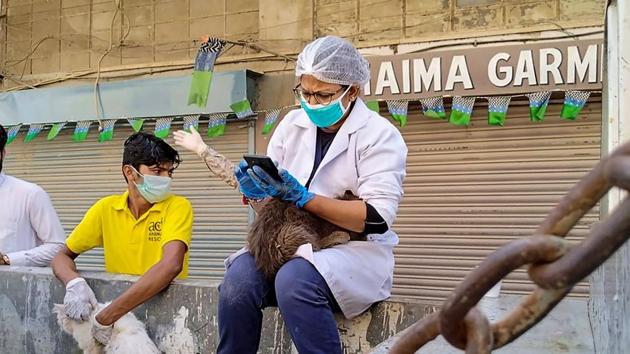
129	334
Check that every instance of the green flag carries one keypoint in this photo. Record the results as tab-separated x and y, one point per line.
191	121
433	107
497	109
398	110
207	54
538	102
81	130
162	127
461	110
270	119
106	130
373	105
242	109
33	131
574	101
12	133
54	130
136	124
216	124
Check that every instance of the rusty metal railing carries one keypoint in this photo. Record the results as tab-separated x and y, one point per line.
554	266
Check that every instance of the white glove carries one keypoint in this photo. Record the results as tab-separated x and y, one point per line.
79	300
100	332
190	141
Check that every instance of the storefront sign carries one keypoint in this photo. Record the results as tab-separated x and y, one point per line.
491	70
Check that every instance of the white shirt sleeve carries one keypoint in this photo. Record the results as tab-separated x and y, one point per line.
47	227
381	167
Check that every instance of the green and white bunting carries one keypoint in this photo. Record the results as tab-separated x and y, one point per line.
573	103
136	124
398	110
81	130
373	105
433	107
207	54
271	117
461	110
54	130
538	102
216	124
12	133
191	120
242	109
106	130
497	109
162	127
33	132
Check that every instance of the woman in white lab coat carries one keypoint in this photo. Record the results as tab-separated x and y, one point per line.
333	144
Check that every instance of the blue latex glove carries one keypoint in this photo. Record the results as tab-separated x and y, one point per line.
289	189
246	185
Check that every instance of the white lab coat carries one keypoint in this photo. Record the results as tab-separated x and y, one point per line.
367	157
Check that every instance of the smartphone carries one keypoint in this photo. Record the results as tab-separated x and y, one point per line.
263	162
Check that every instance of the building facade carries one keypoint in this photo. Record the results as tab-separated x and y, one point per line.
469	189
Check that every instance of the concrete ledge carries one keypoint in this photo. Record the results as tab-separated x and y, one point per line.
566	329
182	319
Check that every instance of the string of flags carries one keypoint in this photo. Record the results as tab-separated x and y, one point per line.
433	107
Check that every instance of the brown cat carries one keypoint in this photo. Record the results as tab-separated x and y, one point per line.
281	227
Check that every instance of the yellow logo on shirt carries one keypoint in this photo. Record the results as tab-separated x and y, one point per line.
155	231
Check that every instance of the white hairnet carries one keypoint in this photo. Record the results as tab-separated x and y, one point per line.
333	60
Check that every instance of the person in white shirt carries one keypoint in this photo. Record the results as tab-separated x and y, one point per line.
30	231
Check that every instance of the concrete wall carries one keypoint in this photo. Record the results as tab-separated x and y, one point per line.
180	320
45	38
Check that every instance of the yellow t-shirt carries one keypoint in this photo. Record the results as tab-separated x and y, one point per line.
133	246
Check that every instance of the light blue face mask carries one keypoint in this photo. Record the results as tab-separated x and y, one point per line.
154	189
325	116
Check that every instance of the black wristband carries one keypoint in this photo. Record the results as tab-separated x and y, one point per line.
374	222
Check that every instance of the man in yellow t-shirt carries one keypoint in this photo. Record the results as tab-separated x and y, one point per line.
145	231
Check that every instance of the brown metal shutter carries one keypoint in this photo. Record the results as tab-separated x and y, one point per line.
76	175
470	190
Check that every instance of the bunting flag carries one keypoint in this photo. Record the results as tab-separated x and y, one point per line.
33	131
398	110
12	133
81	130
573	103
207	54
497	109
270	119
216	124
162	127
106	130
538	102
373	105
242	109
54	130
136	124
461	110
191	121
433	107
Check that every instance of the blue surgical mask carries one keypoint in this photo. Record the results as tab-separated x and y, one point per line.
154	189
325	116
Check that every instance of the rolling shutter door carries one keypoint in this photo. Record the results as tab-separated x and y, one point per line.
76	175
470	190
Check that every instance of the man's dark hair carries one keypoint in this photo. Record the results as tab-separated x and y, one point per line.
3	138
147	149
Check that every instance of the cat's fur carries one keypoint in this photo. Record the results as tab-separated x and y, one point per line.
128	336
281	227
